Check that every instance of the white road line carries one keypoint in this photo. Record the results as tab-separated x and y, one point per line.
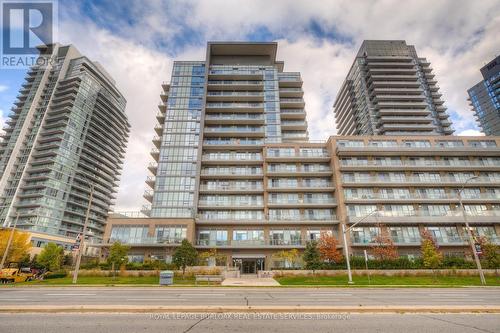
70	294
13	299
330	294
202	294
449	294
156	299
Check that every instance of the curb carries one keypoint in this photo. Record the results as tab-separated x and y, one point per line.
247	309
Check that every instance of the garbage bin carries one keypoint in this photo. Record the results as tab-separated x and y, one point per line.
166	278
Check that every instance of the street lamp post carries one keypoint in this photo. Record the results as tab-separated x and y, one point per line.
82	240
469	234
346	249
9	242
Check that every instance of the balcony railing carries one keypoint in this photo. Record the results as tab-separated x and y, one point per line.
145	241
420	180
231	187
412	196
415	164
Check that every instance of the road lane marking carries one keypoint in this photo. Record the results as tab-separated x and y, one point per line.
13	299
449	294
155	299
70	294
202	294
330	294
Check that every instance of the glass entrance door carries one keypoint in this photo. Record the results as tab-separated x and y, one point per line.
249	266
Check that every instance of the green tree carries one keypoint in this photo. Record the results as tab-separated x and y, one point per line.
289	258
117	255
19	248
311	256
431	256
491	254
51	257
185	255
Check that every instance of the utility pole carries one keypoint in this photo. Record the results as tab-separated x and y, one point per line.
82	241
9	242
346	249
469	234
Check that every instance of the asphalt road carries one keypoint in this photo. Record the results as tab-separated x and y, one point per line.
218	296
387	323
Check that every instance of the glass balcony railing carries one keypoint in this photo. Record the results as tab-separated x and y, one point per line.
235	142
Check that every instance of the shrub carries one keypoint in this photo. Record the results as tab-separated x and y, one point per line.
56	275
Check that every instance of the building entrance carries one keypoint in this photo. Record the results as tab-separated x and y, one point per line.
249	265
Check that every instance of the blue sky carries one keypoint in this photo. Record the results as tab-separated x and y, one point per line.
137	41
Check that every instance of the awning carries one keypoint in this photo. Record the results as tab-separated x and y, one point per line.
248	256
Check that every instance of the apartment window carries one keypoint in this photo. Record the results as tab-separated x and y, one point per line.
350	143
360	210
174	233
444	234
483	143
405	234
476	210
383	143
417	143
358	193
364	235
395	193
449	143
129	233
398	210
435	210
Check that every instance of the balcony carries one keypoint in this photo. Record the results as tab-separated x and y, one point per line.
289	80
417	165
159	129
413	197
157	141
231	189
299	172
398	150
237	119
233	131
234	107
419	181
309	203
235	85
291	92
144	242
294	125
297	156
228	72
301	187
254	144
423	216
153	167
292	113
148	195
231	204
224	95
260	243
155	153
232	158
231	173
151	181
292	103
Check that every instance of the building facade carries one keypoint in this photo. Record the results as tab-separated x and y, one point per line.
66	135
397	186
389	90
484	98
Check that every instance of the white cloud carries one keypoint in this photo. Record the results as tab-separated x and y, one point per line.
3	87
471	132
457	37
